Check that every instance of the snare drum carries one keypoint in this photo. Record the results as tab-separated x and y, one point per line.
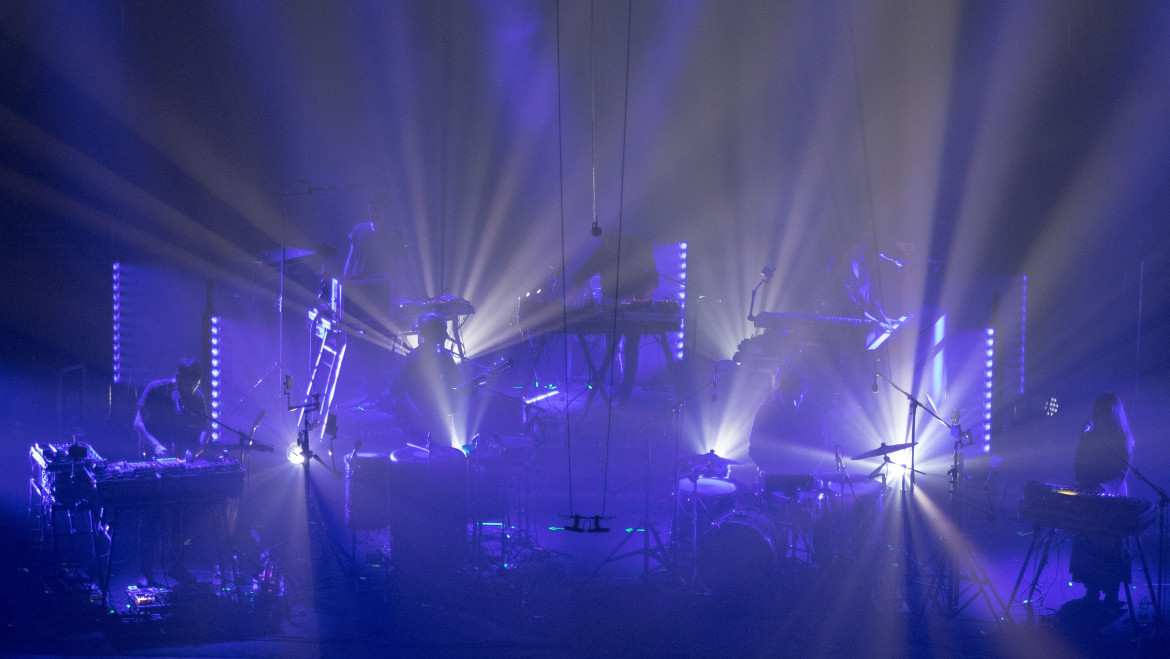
705	486
698	502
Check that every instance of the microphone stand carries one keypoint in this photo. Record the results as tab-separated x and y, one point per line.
246	442
314	516
956	431
948	577
767	272
1163	500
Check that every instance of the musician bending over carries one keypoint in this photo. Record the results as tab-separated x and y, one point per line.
1101	464
172	420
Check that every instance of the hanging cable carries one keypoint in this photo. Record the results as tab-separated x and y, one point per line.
564	289
618	270
865	158
596	229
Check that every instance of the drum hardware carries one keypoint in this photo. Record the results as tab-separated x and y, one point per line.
321	542
789	484
883	450
428	509
948	576
493	461
703	494
840	478
947	585
658	552
739	555
711	460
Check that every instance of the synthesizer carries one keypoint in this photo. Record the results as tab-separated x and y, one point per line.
168	481
656	317
1066	508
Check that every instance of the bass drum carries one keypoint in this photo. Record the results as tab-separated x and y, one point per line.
367	491
738	555
428	509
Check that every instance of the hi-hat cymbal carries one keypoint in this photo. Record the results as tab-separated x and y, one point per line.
710	458
884	449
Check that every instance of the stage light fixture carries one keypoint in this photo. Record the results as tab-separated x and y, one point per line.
680	336
215	368
988	389
117	324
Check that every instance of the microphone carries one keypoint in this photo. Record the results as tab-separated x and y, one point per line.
256	424
875	376
596	230
176	397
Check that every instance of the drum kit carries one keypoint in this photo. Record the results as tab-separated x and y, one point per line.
739	537
427	496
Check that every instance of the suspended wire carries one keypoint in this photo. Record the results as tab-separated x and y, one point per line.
564	288
592	125
618	270
876	271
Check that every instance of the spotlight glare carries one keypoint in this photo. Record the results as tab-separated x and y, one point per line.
295	455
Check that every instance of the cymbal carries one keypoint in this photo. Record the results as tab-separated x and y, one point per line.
710	458
884	449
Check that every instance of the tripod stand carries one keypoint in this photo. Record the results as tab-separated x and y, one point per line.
948	575
320	542
658	552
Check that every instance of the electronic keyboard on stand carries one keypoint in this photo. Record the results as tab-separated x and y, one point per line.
1068	509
